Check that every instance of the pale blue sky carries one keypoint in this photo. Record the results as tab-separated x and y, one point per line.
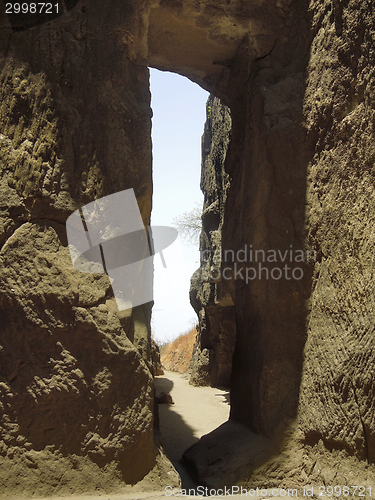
179	108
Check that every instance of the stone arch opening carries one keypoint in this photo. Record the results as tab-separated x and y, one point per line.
75	126
261	291
222	54
86	134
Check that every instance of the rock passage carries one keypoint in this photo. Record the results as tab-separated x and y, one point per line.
197	411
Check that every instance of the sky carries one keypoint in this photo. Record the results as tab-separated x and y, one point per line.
179	113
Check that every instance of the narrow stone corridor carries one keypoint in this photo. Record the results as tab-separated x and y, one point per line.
196	411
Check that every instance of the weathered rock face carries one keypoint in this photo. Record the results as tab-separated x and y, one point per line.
75	126
76	386
156	363
212	360
306	157
267	162
337	391
300	165
263	228
72	382
200	39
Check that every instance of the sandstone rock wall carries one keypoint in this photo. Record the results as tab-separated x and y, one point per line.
213	351
75	126
265	213
75	375
300	166
337	391
263	210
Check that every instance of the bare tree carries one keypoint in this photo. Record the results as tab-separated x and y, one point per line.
189	224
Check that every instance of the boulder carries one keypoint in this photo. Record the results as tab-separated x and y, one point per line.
226	455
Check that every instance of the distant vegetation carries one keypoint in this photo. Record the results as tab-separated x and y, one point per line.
176	355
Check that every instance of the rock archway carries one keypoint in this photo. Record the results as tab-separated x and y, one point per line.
75	126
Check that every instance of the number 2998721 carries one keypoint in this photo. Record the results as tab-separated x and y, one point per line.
32	8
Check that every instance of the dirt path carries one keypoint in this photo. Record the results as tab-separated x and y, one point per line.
197	411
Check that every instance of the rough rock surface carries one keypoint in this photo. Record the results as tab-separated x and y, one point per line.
337	390
73	386
77	393
226	455
75	126
301	174
156	362
213	351
200	39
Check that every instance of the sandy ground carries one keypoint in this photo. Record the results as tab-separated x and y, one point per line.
197	411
